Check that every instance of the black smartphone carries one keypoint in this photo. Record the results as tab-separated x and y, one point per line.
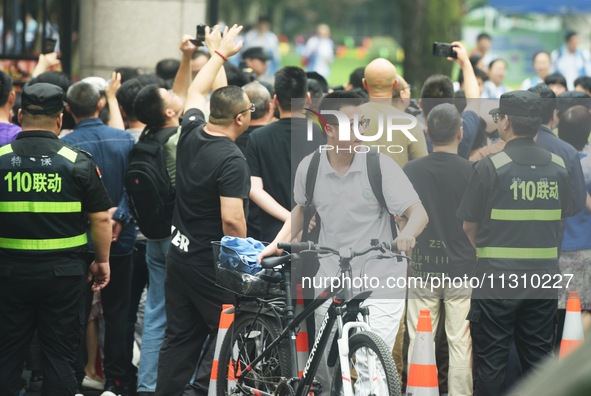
200	36
444	49
49	45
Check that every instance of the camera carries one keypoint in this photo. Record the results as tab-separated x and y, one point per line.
444	49
200	36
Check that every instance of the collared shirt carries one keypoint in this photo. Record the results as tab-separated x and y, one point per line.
350	213
549	141
110	150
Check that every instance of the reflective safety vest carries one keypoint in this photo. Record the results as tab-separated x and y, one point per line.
525	215
40	204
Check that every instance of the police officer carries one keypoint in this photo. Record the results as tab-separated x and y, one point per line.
48	194
511	211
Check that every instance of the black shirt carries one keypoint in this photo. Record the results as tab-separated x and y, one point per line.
440	179
253	222
207	167
273	154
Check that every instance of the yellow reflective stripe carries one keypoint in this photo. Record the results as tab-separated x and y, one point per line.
526	214
501	159
40	207
68	153
517	253
5	149
557	160
43	244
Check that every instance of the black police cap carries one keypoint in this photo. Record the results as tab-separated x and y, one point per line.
255	53
42	98
519	103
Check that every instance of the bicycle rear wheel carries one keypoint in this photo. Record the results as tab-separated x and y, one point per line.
373	371
244	341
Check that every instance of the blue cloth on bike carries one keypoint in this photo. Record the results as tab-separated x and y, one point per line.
241	254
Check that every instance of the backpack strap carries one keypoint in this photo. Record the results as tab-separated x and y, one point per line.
160	135
374	173
311	177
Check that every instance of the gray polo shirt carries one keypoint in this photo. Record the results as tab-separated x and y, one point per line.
350	212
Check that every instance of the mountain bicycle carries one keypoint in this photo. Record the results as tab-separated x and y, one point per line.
258	354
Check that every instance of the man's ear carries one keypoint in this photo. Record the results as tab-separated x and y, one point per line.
11	98
364	81
275	101
308	99
99	106
427	131
460	134
395	85
68	109
270	108
169	113
330	130
59	122
19	116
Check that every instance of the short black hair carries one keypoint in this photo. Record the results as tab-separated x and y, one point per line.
492	62
525	126
335	101
483	35
575	125
474	59
149	106
460	101
583	81
226	102
126	95
167	68
570	34
437	89
478	72
356	78
291	84
533	58
548	101
573	98
127	73
5	87
83	99
555	78
235	76
147	79
443	123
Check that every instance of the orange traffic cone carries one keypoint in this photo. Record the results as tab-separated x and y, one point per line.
226	319
572	335
422	375
302	336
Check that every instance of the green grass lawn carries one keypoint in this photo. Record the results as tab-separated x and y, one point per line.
339	71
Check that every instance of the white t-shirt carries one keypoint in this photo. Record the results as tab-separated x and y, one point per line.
350	213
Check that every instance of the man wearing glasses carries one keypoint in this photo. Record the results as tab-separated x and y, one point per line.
212	185
511	212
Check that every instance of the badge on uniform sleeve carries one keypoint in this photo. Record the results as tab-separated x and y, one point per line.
98	172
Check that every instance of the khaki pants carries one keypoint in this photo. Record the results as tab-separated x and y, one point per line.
457	328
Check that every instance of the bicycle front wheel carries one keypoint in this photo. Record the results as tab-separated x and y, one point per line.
245	340
372	369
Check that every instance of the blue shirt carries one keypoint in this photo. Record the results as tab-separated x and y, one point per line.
549	141
577	233
110	149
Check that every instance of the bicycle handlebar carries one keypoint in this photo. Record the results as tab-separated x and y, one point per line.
310	246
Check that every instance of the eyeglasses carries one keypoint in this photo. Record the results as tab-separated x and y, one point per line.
363	123
409	87
251	108
497	116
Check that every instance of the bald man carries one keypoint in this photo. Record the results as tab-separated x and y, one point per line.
380	80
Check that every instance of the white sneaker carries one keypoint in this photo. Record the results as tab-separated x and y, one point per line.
90	383
109	393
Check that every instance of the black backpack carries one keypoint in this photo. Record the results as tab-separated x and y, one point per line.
148	183
374	172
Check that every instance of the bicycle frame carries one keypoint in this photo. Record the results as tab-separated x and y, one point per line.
335	313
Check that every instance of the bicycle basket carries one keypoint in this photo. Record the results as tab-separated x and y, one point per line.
266	283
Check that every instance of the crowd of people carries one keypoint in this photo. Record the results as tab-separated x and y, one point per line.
475	187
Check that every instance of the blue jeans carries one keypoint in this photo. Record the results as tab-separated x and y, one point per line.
154	315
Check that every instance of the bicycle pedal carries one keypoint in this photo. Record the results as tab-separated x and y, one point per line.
316	387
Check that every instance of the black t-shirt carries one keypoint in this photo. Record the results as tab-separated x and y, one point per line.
273	154
208	167
440	179
253	222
